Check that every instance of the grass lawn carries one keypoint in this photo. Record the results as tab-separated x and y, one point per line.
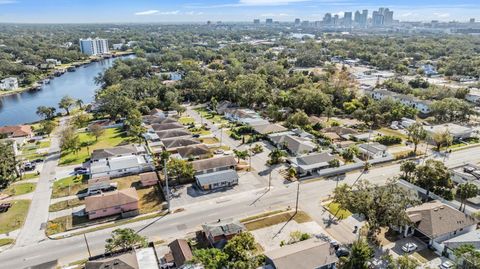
150	200
6	241
214	118
110	138
335	210
387	131
268	221
44	144
61	187
14	218
19	189
29	176
209	140
186	120
65	204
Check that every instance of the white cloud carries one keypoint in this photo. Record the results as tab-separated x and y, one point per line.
193	13
147	12
442	15
174	12
4	2
268	2
275	15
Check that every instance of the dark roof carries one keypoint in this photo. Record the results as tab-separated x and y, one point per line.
156	119
224	161
229	228
217	177
193	150
98	154
172	133
179	142
111	199
315	158
124	261
339	130
167	126
181	251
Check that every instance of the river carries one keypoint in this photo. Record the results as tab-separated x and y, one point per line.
21	108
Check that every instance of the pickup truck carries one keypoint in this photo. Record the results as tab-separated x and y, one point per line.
94	190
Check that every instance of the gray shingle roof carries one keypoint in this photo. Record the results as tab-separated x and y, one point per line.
219	162
217	177
98	154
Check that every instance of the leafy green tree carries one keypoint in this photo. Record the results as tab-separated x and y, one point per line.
360	255
334	163
382	206
442	139
48	126
69	140
467	256
433	176
133	124
79	103
299	119
123	239
66	103
46	112
416	134
349	153
241	251
181	170
8	164
240	154
96	130
276	156
406	262
466	191
408	168
81	120
210	258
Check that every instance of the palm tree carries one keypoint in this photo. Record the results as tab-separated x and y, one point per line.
79	103
240	154
465	191
275	156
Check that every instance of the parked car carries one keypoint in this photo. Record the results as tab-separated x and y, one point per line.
447	265
79	168
196	136
4	207
218	151
29	166
81	172
409	247
39	160
342	252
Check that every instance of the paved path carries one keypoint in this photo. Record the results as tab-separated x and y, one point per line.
33	231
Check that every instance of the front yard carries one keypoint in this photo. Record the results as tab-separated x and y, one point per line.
19	189
110	138
262	222
210	116
69	186
14	218
336	211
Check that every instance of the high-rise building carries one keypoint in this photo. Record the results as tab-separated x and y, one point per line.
95	46
377	18
327	19
357	17
297	21
364	17
256	21
387	17
347	18
472	20
336	19
269	21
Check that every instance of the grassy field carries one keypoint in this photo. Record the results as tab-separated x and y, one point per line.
110	138
268	221
209	140
65	204
186	120
69	186
19	189
6	241
29	176
335	210
14	218
387	131
214	118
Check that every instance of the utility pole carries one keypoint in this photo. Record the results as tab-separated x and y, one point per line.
221	134
166	184
88	247
270	179
298	194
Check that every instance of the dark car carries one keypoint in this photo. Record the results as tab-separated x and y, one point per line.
38	160
342	252
196	136
81	172
79	168
4	207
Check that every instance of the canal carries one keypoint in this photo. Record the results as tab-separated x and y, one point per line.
21	108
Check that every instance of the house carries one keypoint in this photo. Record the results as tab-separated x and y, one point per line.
176	133
181	252
458	132
332	136
98	183
108	153
429	70
173	144
307	165
143	258
244	115
214	164
148	179
122	166
307	254
421	105
151	119
342	132
435	222
373	150
19	133
53	61
195	151
269	128
105	124
123	202
294	144
9	84
220	232
470	238
216	180
158	127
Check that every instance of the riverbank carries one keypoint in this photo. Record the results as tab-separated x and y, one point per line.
50	74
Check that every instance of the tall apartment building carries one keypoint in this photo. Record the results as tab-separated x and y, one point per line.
327	19
297	21
95	46
347	18
269	21
256	21
383	16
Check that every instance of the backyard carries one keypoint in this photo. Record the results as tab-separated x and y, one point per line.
14	218
110	138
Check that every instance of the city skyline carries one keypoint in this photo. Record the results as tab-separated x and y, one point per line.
88	11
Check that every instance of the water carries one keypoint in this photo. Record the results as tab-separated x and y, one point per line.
21	108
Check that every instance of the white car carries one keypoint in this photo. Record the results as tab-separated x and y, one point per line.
409	247
447	265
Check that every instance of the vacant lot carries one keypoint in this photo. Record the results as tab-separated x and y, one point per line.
299	217
62	205
69	186
19	189
110	138
14	218
336	211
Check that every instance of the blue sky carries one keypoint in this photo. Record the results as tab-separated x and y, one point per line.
91	11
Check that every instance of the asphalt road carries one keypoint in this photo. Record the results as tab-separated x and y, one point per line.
230	206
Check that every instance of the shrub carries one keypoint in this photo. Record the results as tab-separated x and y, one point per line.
388	140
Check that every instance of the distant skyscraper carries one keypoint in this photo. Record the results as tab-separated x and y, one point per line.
327	19
336	19
472	20
377	18
256	21
387	17
297	21
95	46
364	17
347	18
357	17
269	21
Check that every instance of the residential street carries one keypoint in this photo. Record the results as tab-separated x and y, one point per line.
33	231
229	206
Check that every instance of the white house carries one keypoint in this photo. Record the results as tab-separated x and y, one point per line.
421	105
122	166
309	164
373	150
435	222
9	84
455	130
